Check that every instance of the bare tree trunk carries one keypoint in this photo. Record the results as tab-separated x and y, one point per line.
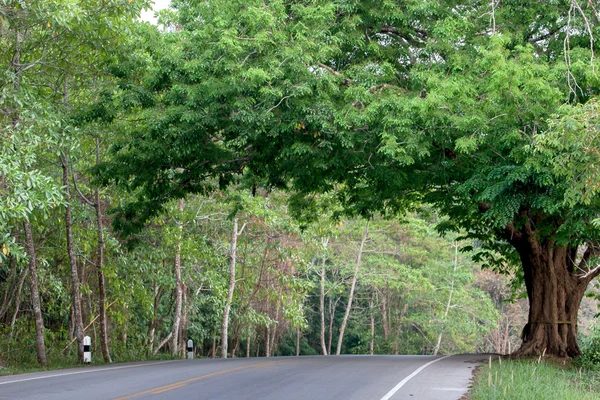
297	342
178	287
331	307
17	301
248	347
449	302
352	287
163	342
274	332
384	316
229	300
322	308
35	295
76	297
6	298
371	343
100	271
184	325
157	292
268	342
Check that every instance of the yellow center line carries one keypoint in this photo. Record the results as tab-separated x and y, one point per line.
180	384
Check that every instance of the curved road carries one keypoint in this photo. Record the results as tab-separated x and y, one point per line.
290	378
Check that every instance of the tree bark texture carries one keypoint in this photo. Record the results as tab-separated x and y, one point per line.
352	287
35	295
100	271
322	307
555	285
448	303
231	288
178	287
76	297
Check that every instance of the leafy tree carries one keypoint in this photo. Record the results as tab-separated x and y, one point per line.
388	103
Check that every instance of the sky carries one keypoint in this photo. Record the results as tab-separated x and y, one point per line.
158	5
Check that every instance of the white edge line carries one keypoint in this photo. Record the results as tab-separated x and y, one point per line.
84	372
408	378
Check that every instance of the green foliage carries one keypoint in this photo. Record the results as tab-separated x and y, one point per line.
590	347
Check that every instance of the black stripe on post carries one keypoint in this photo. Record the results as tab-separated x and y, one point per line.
86	348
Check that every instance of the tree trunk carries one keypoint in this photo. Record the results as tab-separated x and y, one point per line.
372	315
274	332
268	342
229	300
17	301
352	287
178	286
297	342
248	347
448	303
555	287
384	316
331	308
76	297
35	295
9	295
100	271
184	325
322	307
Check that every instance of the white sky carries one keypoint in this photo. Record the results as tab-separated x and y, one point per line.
158	5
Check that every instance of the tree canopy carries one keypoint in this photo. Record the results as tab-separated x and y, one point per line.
459	104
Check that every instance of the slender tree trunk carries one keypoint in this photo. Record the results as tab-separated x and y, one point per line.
297	342
555	287
35	295
449	302
322	307
157	292
331	307
100	271
352	287
274	332
178	286
17	301
9	295
384	316
184	325
229	300
248	347
372	341
268	342
76	297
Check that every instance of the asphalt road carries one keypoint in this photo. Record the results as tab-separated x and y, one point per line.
276	378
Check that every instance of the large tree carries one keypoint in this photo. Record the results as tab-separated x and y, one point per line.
386	102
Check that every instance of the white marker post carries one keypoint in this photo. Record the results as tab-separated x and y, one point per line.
87	349
190	349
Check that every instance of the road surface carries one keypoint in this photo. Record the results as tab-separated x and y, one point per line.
276	378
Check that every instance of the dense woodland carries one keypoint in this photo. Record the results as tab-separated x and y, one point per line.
281	178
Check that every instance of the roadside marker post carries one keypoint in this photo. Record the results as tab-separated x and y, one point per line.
190	349
87	350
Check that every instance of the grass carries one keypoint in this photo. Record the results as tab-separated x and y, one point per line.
534	380
19	360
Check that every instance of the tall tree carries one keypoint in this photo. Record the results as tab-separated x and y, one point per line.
359	255
416	100
75	282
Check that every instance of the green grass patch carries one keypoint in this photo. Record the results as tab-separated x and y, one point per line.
534	380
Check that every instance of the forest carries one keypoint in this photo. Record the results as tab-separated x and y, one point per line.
270	177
